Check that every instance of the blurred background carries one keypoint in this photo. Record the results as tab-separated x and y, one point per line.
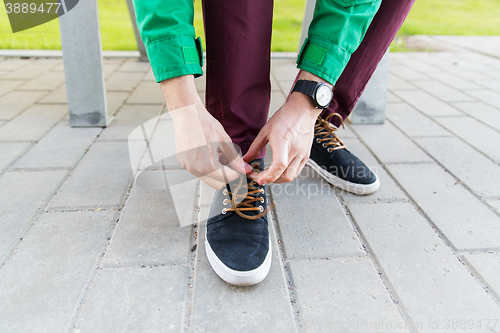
428	17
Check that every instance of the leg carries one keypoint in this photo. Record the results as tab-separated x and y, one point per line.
364	61
238	36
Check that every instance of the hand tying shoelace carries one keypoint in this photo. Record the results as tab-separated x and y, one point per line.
323	128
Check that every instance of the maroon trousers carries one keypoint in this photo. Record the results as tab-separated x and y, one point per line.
238	38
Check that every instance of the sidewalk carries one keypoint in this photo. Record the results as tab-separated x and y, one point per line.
83	248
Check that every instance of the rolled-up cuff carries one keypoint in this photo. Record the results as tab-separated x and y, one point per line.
323	58
175	56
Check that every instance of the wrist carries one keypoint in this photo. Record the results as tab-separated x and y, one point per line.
180	92
305	75
304	102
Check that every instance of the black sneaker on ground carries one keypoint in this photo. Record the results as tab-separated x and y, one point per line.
337	165
237	239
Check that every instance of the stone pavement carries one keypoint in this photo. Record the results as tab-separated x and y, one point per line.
85	248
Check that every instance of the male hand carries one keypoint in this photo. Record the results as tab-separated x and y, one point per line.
202	145
290	132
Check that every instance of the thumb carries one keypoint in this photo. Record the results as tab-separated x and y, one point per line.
256	147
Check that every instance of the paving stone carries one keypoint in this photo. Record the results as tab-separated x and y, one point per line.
109	68
57	96
127	119
442	91
46	81
274	84
22	195
493	84
346	132
407	73
388	190
462	218
485	113
150	76
220	307
427	103
488	265
454	81
395	83
389	144
487	96
277	101
162	146
13	64
42	283
392	98
123	81
200	82
318	232
472	168
466	73
99	180
147	93
134	66
420	66
430	281
149	232
286	86
285	72
29	71
495	204
136	300
14	102
67	143
11	151
412	122
33	123
479	136
344	295
8	85
115	100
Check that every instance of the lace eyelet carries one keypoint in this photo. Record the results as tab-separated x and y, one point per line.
262	190
261	209
324	146
262	200
224	211
317	140
329	150
224	202
224	192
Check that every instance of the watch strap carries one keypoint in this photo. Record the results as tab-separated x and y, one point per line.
306	87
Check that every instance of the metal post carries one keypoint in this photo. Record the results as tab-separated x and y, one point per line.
81	46
308	16
138	39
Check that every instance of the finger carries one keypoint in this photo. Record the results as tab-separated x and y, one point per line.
233	158
301	166
212	182
223	174
290	172
279	164
256	147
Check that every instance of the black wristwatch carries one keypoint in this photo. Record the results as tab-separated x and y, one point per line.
320	92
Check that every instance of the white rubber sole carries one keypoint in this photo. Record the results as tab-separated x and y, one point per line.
238	278
360	189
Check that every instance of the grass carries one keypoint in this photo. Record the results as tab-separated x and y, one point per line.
431	17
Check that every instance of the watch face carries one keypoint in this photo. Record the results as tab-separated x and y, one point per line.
324	95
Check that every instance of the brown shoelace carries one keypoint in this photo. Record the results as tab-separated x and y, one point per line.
323	128
249	198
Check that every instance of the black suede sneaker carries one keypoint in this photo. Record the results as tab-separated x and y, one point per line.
337	165
237	239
